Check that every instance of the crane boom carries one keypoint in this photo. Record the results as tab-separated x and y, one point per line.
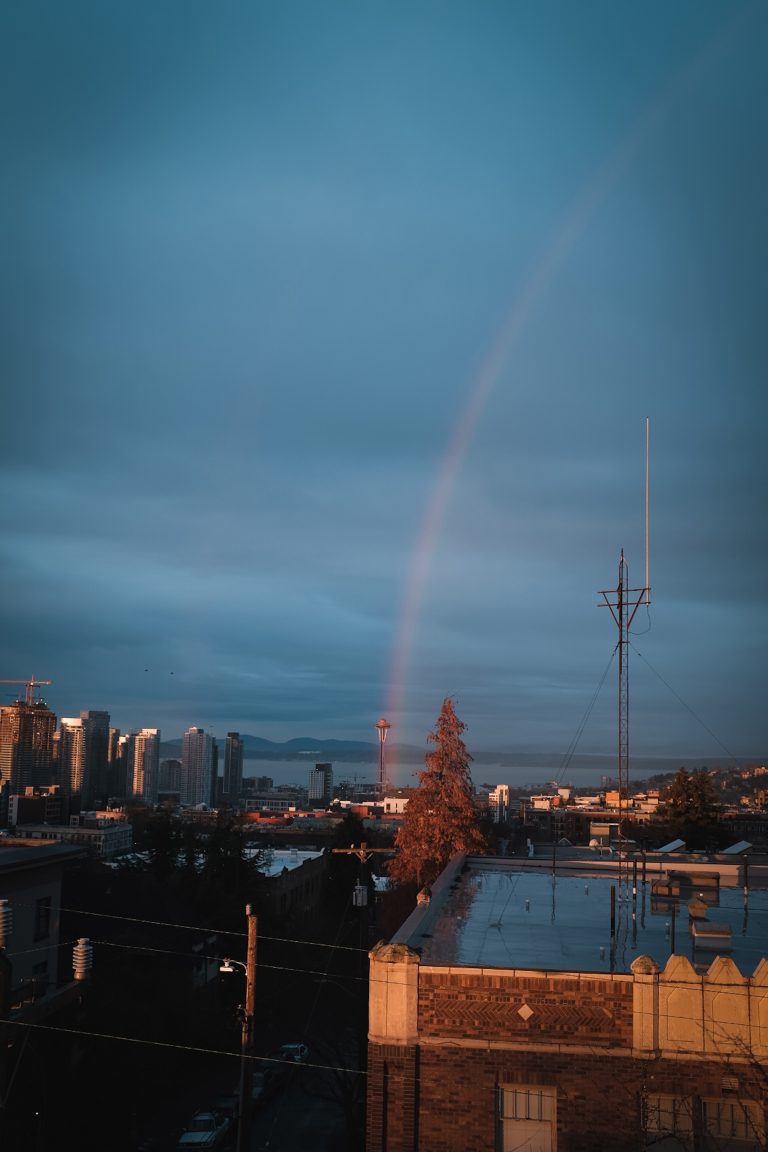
30	687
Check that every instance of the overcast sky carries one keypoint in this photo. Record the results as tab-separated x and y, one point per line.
329	335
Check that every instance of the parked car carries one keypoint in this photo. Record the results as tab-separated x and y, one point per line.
227	1103
206	1130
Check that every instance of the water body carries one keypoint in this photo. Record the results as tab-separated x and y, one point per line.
404	775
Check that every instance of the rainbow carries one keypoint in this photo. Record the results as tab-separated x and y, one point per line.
573	225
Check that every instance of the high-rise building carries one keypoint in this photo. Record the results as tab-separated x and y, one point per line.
232	784
170	776
498	802
123	767
83	745
197	778
146	765
97	790
71	755
114	765
26	744
321	785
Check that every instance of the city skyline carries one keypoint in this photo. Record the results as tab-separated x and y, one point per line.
330	339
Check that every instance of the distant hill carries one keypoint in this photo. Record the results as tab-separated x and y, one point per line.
256	747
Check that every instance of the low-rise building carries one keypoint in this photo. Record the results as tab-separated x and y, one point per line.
611	1007
290	882
30	897
105	838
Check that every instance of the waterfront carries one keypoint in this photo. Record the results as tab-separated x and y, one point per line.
595	774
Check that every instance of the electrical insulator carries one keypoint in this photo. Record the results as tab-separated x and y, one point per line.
82	958
360	896
6	923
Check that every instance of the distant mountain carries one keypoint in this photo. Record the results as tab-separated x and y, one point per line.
256	747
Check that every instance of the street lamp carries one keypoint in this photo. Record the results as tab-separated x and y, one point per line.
246	1020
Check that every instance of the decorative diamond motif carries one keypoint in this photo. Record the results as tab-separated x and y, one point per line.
525	1012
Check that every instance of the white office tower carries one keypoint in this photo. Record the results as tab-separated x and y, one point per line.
197	781
146	765
321	785
498	802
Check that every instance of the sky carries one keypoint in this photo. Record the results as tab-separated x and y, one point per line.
330	336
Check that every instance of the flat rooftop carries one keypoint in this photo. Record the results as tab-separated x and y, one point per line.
276	860
499	913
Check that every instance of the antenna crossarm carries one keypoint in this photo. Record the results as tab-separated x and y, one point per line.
607	604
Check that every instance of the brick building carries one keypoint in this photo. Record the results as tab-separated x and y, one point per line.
519	1008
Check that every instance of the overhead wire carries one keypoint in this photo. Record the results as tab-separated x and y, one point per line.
568	756
207	929
687	707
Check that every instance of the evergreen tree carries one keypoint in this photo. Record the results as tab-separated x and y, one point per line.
440	817
691	807
691	796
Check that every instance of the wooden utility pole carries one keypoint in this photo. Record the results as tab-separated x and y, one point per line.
246	1038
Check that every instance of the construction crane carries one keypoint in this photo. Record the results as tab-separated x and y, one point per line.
30	687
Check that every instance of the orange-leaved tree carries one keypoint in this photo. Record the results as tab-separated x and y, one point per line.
440	817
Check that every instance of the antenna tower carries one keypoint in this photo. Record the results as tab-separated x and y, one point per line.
624	602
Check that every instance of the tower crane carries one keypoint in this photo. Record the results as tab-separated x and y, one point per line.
30	687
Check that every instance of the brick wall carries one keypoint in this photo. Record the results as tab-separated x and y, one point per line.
452	1103
532	1008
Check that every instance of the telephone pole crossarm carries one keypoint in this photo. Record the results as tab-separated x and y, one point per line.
363	852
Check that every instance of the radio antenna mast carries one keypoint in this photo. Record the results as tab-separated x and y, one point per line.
624	602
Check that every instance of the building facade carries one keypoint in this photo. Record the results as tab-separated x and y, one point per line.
197	768
232	783
589	1049
146	765
320	791
84	743
26	744
498	802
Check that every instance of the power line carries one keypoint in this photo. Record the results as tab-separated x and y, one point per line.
206	930
580	730
688	708
177	1047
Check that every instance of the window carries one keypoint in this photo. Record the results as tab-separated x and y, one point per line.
733	1125
528	1116
529	1103
668	1116
43	918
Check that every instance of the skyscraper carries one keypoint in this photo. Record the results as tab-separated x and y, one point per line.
197	780
83	745
123	767
71	755
116	779
170	775
232	785
321	784
498	802
26	744
97	789
146	765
